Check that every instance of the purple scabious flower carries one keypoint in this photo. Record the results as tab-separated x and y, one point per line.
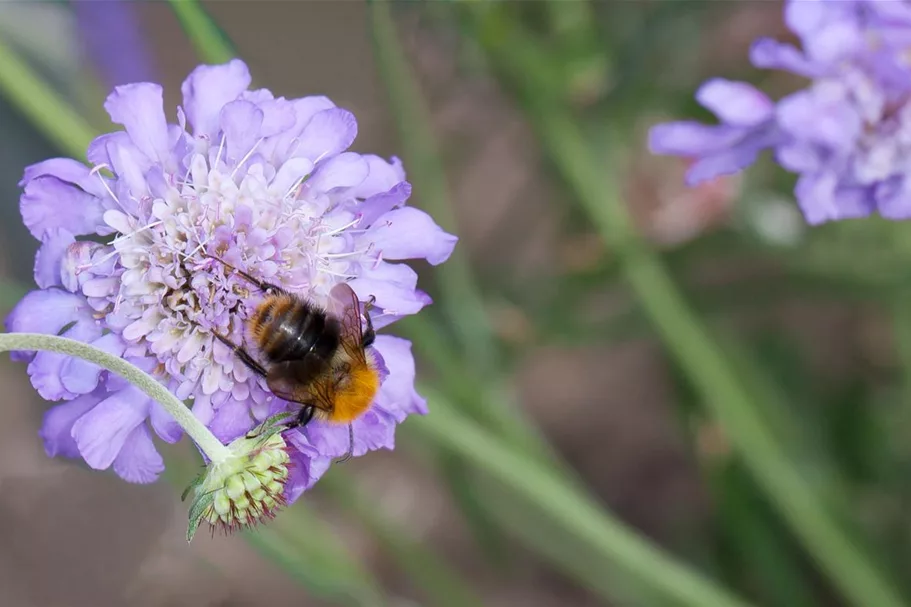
125	263
747	128
847	135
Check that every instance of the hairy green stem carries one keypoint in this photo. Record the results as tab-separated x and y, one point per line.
56	119
201	435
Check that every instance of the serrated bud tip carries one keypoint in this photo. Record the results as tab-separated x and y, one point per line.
246	489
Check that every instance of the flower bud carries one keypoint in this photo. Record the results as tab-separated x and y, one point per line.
244	489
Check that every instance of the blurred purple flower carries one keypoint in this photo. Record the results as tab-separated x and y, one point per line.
747	127
265	183
114	40
847	135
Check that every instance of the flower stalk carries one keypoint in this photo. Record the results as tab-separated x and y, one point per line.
208	444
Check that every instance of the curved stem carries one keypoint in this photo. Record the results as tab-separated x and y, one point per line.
207	442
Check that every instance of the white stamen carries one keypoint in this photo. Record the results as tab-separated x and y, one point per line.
339	274
201	246
115	252
320	157
134	232
97	171
185	176
296	185
246	158
297	143
348	254
221	147
341	229
86	266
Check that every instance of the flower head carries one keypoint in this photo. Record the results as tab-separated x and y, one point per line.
847	135
747	127
245	489
126	263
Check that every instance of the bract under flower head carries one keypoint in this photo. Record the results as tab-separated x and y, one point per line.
263	183
848	135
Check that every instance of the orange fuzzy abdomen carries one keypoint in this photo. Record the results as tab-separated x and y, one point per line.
356	395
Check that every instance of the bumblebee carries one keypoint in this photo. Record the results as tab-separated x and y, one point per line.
313	356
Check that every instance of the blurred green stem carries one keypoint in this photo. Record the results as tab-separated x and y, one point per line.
709	370
572	510
901	322
442	585
309	550
210	43
461	299
901	316
42	106
466	354
591	177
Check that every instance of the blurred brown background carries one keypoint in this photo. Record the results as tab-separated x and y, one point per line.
73	537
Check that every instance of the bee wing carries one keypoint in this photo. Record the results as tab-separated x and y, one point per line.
321	395
299	382
347	308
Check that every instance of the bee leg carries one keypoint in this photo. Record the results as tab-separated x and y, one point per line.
263	286
306	414
350	451
369	333
303	418
242	355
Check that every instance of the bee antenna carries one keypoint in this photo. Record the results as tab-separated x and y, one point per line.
347	455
